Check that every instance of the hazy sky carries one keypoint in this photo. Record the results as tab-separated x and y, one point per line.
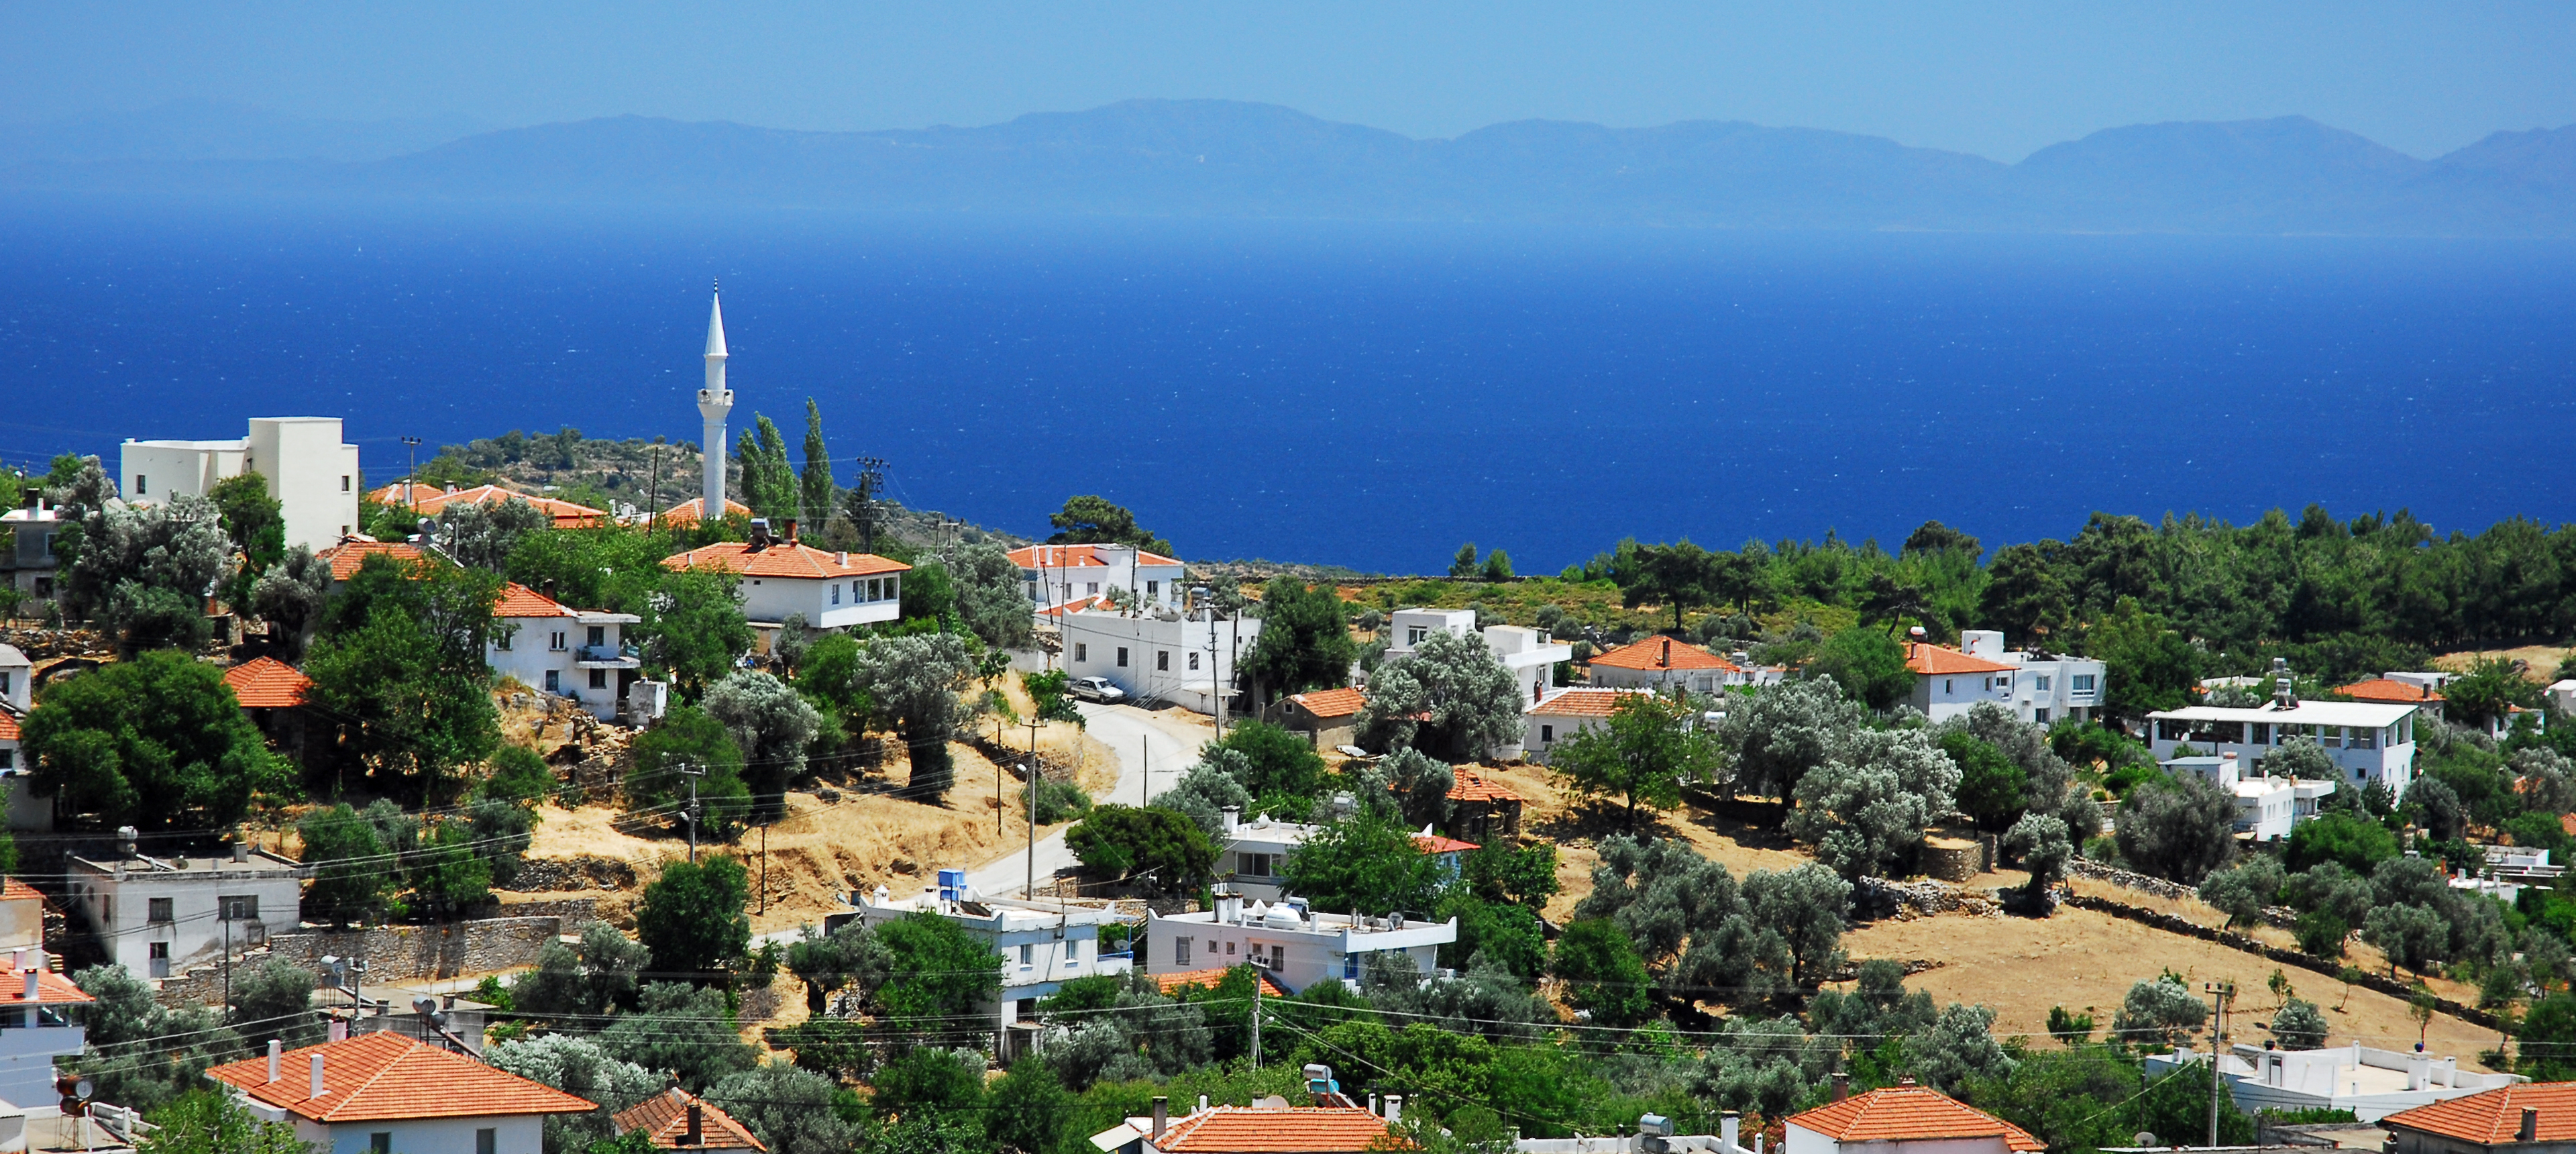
1999	80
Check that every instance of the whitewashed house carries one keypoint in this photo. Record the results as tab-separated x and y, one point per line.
1043	946
1188	661
2266	806
2045	687
1904	1119
1948	683
381	1093
1056	574
1559	716
1662	663
311	472
577	653
1294	946
831	590
2372	1083
157	916
41	1011
2369	741
30	564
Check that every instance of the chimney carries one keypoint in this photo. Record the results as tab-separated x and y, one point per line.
241	852
1202	1103
317	1077
276	1050
2530	1131
1394	1109
694	1135
31	985
1842	1086
1162	1115
1727	1127
845	558
787	526
1666	661
1233	818
339	1033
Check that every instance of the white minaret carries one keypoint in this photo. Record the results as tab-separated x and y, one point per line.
714	402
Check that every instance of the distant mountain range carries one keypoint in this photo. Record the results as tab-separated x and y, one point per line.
1207	158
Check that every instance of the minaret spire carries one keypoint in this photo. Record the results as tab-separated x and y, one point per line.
714	402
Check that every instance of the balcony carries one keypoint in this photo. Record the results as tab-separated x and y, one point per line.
607	657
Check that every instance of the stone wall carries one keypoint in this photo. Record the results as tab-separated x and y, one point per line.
392	953
2281	916
550	875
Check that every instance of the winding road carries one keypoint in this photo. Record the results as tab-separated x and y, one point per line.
1152	755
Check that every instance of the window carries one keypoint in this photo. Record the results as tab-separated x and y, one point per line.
1546	733
1229	949
1948	686
1027	954
381	1142
1413	635
1122	657
1180	951
2260	732
875	587
142	484
559	645
2080	683
598	635
2040	715
8	759
1194	660
487	1141
890	586
1081	651
554	681
1163	660
239	908
599	679
157	910
1350	967
836	593
1092	588
1073	953
501	638
157	960
344	482
4	685
2043	683
1153	589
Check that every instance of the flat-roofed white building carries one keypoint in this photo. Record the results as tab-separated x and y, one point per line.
1042	945
2369	741
311	472
1055	574
2047	687
2372	1083
577	653
1293	945
2266	806
1162	656
159	915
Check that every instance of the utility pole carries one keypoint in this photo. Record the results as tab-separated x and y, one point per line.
1256	1017
764	859
2220	992
1209	600
1029	890
411	473
693	773
653	500
1145	774
868	483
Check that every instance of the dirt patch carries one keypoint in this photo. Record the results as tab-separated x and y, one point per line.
2541	661
2087	961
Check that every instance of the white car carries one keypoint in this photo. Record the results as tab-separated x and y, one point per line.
1096	689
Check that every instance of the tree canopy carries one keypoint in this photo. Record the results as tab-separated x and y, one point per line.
158	742
1092	520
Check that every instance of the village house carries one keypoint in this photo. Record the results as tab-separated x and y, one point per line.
1529	653
676	1119
687	514
41	1012
271	693
29	565
581	654
2039	688
1188	661
2266	806
311	472
1948	683
2530	1118
1481	809
348	557
780	578
1328	717
1251	855
1333	1124
1662	663
384	1092
1043	946
2370	1082
1292	944
430	501
1904	1119
2424	689
2370	741
1559	716
1055	574
155	916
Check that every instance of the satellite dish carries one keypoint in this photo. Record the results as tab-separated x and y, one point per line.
82	1089
2145	1138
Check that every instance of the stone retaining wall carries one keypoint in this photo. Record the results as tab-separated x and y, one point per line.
392	953
2281	916
551	875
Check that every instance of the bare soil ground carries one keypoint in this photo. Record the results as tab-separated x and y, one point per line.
2542	660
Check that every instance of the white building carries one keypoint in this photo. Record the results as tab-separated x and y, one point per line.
2266	806
2049	687
2369	1082
17	695
830	590
1660	663
2371	741
1294	946
383	1092
1042	946
1529	653
1252	856
160	915
311	472
29	565
1904	1119
1164	656
577	653
1055	574
40	1011
1565	713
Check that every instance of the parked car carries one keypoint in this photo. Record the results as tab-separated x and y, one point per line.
1096	689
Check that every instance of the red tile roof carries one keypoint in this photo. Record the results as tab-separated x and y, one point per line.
345	558
430	500
664	1119
1474	786
793	560
1663	653
1434	843
520	601
1076	557
691	511
8	726
1209	978
13	890
52	989
1908	1113
384	1076
1330	702
1077	605
1933	661
2495	1116
267	683
2383	689
1296	1130
1584	702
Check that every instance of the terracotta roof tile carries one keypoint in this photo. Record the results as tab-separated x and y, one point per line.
8	726
520	601
1209	978
1907	1113
693	510
1434	843
13	890
1474	786
664	1118
1076	557
384	1076
430	500
267	683
2383	689
792	560
1663	653
347	557
1584	702
1296	1130
2495	1116
1330	702
1077	605
52	989
1930	660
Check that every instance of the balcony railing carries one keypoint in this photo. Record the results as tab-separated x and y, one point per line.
608	653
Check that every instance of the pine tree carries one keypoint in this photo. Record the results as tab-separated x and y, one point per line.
816	481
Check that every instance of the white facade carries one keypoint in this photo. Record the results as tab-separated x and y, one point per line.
1042	946
1055	574
509	1133
311	472
830	590
1254	854
577	653
37	1030
2266	806
1529	653
715	401
1294	946
2050	687
2371	1083
2371	741
160	915
1567	712
1188	661
30	564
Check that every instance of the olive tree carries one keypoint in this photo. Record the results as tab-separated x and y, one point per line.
913	683
1451	698
2159	1012
773	725
2178	829
1865	810
1779	734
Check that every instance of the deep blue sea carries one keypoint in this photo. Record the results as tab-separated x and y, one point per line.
1364	394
